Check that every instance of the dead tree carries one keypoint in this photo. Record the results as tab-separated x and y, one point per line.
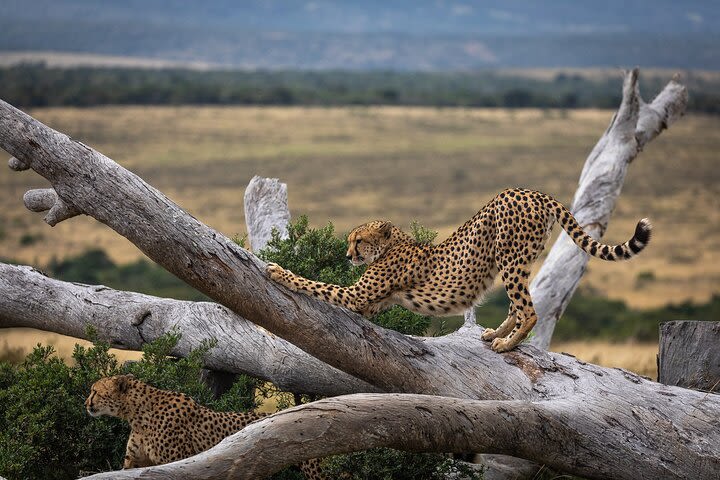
447	394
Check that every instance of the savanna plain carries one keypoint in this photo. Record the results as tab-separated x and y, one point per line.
437	166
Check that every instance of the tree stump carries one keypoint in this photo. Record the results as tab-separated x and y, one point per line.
689	355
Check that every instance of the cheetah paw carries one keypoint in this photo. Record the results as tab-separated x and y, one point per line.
488	334
275	271
500	345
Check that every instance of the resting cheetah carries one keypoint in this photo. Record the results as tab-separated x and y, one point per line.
505	237
168	426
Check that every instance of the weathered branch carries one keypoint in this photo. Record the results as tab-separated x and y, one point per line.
551	432
93	184
45	199
633	126
129	320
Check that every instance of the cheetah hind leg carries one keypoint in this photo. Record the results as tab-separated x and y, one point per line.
504	328
525	320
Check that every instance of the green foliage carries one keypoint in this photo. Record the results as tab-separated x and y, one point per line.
386	463
44	430
27	239
403	320
422	234
314	253
240	240
95	267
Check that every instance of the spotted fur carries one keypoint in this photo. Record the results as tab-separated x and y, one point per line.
168	426
505	238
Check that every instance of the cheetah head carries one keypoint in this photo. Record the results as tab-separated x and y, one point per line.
107	395
368	242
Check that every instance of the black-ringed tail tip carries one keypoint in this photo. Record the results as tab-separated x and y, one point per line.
624	251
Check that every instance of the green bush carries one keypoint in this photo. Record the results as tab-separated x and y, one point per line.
45	432
27	239
386	464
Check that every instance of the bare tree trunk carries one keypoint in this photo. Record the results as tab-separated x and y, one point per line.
689	356
266	207
632	127
546	407
550	432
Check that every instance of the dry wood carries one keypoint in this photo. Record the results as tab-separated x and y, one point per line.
551	432
129	320
690	355
266	207
549	408
632	127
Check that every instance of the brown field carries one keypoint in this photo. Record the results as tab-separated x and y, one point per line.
640	358
437	166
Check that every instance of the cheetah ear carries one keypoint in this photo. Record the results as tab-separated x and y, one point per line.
123	382
385	229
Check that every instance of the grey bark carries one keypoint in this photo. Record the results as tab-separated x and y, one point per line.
549	408
551	432
266	208
129	320
689	355
631	128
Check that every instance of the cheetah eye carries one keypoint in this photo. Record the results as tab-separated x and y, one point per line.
357	242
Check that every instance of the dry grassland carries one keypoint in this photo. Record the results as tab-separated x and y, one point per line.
437	166
640	358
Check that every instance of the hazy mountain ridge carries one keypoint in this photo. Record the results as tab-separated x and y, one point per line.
402	35
400	16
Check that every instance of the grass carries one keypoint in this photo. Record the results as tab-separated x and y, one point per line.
636	357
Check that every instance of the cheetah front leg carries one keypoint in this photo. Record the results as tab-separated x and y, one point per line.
505	327
354	297
518	290
135	455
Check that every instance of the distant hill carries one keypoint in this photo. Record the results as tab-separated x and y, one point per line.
373	34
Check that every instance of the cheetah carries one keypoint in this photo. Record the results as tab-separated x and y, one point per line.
504	237
168	426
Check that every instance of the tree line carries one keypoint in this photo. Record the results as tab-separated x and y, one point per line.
35	85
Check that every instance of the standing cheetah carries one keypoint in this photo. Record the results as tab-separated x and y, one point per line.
505	237
168	426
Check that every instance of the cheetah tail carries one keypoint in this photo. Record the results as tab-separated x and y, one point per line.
605	252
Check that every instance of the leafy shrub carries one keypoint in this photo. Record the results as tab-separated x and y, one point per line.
44	430
386	463
314	253
27	239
